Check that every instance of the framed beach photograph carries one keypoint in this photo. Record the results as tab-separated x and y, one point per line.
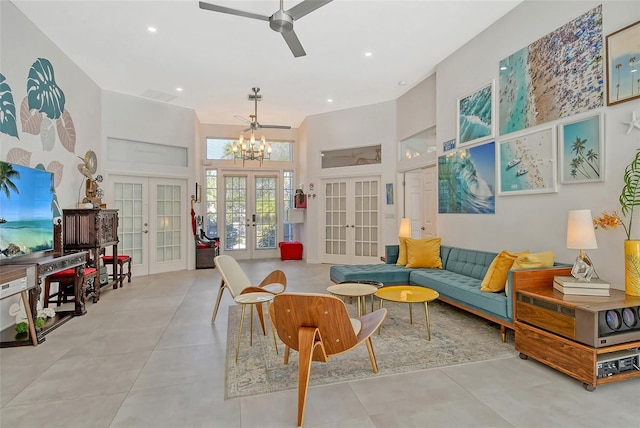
623	60
475	116
527	163
581	143
466	180
539	84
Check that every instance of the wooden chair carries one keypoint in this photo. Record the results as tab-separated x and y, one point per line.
237	282
66	282
318	326
118	274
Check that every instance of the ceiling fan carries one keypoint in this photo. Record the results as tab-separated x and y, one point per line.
253	123
281	21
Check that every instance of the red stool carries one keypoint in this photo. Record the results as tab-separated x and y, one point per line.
118	273
66	280
290	250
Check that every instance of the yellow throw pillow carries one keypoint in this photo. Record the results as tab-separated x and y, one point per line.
402	252
534	260
423	253
496	277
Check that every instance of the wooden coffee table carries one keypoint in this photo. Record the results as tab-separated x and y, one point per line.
409	294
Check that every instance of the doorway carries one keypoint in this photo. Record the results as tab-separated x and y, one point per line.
250	214
351	220
152	225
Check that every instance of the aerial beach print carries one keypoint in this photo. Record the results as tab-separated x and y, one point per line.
527	163
623	60
582	150
475	116
557	76
466	180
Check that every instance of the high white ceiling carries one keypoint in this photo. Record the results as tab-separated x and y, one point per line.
217	58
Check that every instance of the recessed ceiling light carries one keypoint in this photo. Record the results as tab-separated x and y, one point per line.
329	100
179	89
402	83
368	53
152	29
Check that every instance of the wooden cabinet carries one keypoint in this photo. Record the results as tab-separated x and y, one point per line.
548	331
91	230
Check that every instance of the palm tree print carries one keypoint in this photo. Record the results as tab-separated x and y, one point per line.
632	63
7	173
584	164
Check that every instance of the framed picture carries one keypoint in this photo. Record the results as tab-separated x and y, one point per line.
475	116
623	59
389	187
582	149
198	196
466	180
536	85
449	145
527	163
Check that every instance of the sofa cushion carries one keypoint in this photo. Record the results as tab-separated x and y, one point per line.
496	277
423	253
386	273
534	260
402	251
462	289
470	263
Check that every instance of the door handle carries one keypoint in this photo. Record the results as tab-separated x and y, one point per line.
422	228
145	231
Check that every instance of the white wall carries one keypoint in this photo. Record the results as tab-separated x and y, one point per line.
21	43
362	126
416	109
538	222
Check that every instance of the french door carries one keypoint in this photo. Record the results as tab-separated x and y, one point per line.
250	214
152	225
351	220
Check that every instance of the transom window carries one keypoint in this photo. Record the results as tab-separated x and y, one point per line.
222	149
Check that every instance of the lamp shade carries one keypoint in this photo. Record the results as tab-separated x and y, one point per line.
580	232
405	228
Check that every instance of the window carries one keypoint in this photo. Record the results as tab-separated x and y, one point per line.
222	149
211	199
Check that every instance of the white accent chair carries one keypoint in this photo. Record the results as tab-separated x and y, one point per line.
237	282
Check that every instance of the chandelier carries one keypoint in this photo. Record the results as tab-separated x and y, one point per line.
251	150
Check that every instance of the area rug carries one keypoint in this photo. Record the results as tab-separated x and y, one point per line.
457	337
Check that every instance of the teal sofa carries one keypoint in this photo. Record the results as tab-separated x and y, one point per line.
458	282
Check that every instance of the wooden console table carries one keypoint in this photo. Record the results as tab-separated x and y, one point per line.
547	325
49	264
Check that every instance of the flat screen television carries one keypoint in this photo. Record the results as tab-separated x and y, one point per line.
26	211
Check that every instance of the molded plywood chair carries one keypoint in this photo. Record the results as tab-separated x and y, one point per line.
236	281
318	326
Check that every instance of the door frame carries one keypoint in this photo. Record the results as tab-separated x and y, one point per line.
148	265
250	252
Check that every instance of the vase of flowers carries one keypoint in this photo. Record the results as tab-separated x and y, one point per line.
629	199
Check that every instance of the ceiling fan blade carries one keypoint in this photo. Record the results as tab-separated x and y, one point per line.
222	9
275	126
305	7
294	44
244	119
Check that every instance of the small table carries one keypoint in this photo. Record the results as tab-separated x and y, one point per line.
256	298
354	289
409	294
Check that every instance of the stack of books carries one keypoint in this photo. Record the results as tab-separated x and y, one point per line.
572	286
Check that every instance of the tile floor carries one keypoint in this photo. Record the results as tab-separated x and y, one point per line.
147	355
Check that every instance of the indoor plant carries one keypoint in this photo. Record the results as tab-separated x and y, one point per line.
629	199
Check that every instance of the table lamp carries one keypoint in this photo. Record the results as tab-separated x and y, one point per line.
581	236
405	228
